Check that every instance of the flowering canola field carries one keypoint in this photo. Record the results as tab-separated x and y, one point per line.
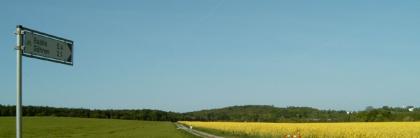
342	130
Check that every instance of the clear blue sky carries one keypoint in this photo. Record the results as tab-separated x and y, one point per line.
197	54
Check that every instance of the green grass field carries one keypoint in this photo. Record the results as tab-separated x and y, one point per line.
83	127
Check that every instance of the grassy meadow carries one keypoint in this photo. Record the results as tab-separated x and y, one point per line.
85	127
312	130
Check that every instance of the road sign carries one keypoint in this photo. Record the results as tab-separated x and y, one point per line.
47	47
35	44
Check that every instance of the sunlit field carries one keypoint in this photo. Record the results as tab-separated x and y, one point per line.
345	130
58	127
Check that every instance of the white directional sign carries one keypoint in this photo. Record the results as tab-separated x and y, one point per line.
36	44
47	47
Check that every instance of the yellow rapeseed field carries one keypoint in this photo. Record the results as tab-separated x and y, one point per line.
341	130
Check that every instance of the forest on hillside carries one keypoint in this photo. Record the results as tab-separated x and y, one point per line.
247	113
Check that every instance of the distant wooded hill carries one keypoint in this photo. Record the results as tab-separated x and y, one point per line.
247	113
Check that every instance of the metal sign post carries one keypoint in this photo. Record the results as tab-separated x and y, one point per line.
19	81
36	44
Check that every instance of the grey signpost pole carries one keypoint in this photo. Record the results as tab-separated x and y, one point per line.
19	82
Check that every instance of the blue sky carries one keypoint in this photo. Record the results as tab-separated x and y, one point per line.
198	54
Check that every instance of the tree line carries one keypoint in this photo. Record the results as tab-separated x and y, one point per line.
247	113
265	113
143	114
